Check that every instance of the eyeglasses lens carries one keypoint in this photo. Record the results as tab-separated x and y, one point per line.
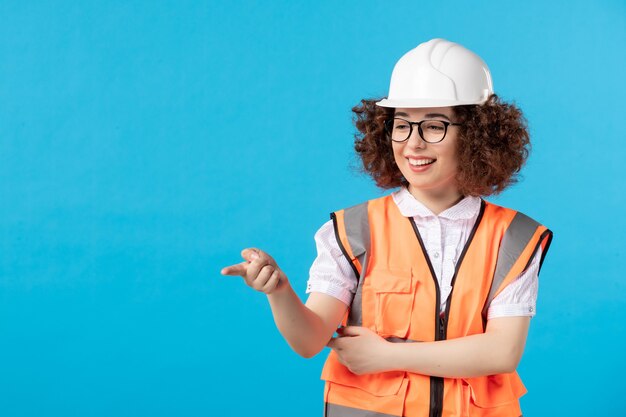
431	130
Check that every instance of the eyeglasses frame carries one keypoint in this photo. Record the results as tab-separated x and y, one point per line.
419	128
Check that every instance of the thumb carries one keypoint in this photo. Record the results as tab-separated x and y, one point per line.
350	331
250	254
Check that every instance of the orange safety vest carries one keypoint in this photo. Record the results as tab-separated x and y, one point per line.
398	297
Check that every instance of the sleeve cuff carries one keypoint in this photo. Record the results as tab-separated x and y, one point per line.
336	291
511	310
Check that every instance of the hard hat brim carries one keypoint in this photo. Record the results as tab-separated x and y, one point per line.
421	103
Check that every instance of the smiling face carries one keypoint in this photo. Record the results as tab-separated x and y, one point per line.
430	168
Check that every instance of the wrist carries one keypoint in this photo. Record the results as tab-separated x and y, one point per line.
282	287
389	357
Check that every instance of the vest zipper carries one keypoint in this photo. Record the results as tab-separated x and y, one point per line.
436	382
442	326
436	400
443	318
441	331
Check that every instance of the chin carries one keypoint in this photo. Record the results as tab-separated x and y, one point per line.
421	186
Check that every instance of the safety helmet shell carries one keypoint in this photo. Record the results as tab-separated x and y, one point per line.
438	73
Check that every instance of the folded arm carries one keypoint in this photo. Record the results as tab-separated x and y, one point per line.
498	350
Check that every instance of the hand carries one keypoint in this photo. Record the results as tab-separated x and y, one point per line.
260	271
361	350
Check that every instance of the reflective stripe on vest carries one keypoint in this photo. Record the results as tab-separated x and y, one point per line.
357	233
398	297
332	410
517	236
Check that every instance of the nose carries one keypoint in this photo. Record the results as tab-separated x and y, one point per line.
415	140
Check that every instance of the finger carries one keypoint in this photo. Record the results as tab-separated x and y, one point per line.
334	343
350	331
264	275
272	283
254	268
250	254
237	269
342	361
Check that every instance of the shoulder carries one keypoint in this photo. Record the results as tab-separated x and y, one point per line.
324	231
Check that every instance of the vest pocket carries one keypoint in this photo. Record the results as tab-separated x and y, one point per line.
379	385
394	294
383	392
493	391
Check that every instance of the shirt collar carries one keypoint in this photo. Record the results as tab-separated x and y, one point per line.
409	206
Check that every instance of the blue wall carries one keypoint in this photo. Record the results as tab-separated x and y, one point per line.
144	144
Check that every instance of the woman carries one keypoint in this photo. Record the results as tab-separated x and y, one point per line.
433	285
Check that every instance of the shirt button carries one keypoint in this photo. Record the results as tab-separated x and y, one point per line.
436	254
530	309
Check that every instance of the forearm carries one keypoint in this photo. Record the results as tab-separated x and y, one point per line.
303	330
470	356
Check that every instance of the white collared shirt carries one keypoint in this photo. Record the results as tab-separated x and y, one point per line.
444	237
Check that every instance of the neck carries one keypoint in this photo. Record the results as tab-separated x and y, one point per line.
436	200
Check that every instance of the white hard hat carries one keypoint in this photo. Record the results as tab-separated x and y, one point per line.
438	73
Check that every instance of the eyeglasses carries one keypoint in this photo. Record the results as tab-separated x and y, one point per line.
432	131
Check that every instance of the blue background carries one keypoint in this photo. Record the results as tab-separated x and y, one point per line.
144	144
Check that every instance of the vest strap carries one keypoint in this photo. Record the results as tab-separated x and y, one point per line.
357	232
517	237
336	410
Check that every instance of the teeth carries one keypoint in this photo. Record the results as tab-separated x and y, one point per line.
418	162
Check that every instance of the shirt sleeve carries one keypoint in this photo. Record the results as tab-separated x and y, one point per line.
331	273
519	298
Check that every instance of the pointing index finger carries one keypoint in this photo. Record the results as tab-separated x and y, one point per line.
237	269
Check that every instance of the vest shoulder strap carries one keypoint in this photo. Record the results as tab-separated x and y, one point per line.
518	247
352	232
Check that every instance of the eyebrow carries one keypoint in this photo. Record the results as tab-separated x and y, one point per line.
427	115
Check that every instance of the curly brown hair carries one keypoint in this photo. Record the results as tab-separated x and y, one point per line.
493	145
